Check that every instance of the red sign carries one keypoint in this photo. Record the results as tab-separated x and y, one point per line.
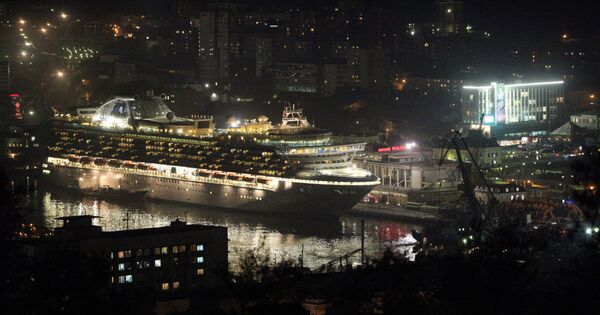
392	148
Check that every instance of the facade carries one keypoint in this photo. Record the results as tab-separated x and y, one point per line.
589	120
263	54
515	110
502	192
408	170
171	258
296	77
487	151
334	77
4	75
213	44
124	73
368	66
448	16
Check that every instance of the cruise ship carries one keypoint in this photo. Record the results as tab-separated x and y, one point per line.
132	147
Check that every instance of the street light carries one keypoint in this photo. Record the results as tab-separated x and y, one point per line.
21	21
63	15
60	74
43	30
23	53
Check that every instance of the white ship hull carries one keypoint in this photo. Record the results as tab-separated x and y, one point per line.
281	195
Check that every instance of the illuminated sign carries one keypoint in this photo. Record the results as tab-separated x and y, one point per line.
392	148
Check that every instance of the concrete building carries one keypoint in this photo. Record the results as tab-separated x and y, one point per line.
408	175
487	151
334	77
448	17
172	258
515	110
4	75
213	44
124	73
368	66
502	192
263	55
184	48
296	77
589	120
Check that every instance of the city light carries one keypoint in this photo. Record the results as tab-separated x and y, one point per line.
63	15
43	30
22	22
60	74
23	53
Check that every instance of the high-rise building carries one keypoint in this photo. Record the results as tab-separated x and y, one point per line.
368	66
334	76
515	110
213	44
296	77
3	9
4	75
180	12
185	45
448	16
263	54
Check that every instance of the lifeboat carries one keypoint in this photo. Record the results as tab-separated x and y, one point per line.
219	175
129	165
249	179
73	158
203	173
142	166
100	162
263	181
85	160
234	177
114	163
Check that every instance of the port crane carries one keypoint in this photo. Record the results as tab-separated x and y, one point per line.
455	141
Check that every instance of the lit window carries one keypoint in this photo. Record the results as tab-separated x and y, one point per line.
157	251
199	248
157	263
199	271
164	250
181	248
175	249
199	259
121	279
165	286
121	266
127	253
129	278
176	285
121	254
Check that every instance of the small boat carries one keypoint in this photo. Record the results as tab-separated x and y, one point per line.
263	181
85	160
203	173
249	179
234	177
142	166
100	162
129	165
219	175
115	163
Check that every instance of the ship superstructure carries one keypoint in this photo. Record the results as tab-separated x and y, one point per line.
140	147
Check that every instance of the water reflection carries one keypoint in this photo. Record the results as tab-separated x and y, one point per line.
324	239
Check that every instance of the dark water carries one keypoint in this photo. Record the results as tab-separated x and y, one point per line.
324	239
